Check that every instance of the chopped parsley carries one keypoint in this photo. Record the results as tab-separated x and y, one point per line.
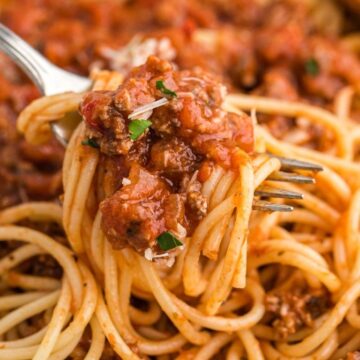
168	241
312	67
137	127
160	86
90	142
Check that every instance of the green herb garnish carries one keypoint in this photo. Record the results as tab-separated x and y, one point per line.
90	142
312	67
168	241
137	127
160	86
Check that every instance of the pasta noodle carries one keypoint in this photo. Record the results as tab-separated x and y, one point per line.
243	284
211	281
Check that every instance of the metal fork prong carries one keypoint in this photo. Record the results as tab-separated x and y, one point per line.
291	177
292	164
268	206
269	191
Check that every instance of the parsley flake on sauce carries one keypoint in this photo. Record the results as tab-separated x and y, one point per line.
137	127
160	86
312	67
90	142
168	241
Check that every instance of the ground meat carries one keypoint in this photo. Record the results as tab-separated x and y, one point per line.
139	212
196	203
32	325
20	175
16	157
286	43
194	115
42	265
42	185
336	67
161	194
9	192
290	312
106	124
114	170
250	14
335	60
279	83
172	158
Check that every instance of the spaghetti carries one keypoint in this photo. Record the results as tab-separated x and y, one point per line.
239	283
212	265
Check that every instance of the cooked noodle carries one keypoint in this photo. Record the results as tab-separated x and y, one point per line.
245	284
324	250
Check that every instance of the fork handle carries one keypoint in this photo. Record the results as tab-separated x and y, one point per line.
47	77
35	65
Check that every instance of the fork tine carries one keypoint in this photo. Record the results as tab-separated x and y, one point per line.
291	164
286	176
269	191
291	177
268	206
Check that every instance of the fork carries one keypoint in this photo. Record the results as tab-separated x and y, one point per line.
285	174
48	78
52	80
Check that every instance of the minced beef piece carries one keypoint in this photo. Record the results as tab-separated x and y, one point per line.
172	157
108	126
196	203
290	312
139	212
40	265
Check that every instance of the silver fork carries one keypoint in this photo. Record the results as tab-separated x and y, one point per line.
48	78
52	80
285	174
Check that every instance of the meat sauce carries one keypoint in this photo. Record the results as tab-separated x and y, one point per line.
261	47
162	192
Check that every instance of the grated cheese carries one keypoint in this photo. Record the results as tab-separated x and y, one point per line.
136	52
170	262
147	107
161	255
148	254
125	181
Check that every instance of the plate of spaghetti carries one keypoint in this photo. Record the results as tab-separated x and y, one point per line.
140	239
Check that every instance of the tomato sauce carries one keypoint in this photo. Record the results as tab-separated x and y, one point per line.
189	128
